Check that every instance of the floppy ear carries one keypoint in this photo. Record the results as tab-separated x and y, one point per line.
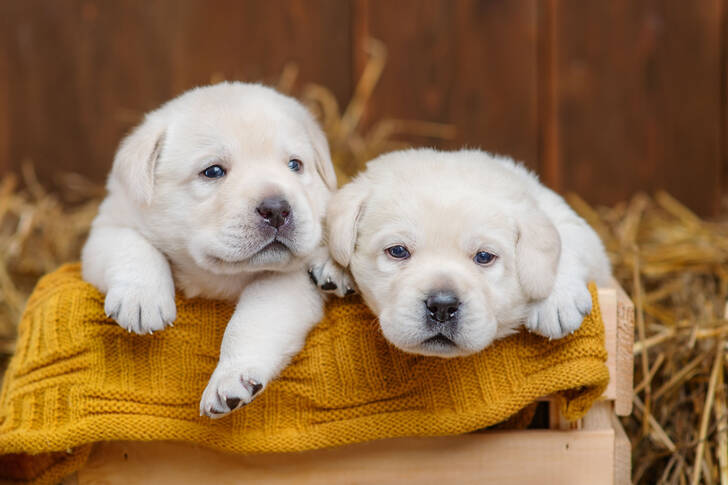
538	249
342	219
136	158
324	165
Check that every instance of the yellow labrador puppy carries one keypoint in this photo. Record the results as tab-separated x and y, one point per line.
455	249
220	193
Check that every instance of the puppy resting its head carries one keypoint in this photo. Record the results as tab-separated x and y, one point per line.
454	250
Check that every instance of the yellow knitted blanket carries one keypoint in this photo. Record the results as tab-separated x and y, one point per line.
78	378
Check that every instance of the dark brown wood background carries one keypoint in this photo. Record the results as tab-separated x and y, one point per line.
604	98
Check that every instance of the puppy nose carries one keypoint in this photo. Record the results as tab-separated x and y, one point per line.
442	306
274	211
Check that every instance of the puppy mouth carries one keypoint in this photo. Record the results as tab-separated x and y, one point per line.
275	247
439	341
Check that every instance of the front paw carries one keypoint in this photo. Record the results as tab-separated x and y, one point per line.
561	313
332	278
230	388
140	308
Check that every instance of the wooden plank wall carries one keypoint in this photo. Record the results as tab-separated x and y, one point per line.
471	63
602	98
82	72
639	98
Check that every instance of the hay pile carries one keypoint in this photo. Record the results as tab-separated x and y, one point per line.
38	231
675	267
673	264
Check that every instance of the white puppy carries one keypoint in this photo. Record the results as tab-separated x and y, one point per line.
454	250
220	193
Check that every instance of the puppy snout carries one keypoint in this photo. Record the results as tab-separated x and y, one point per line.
274	211
442	306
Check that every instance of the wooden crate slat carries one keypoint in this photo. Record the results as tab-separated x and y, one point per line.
539	456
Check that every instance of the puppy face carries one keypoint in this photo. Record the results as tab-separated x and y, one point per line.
446	248
231	178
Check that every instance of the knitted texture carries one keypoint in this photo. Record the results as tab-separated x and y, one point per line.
78	378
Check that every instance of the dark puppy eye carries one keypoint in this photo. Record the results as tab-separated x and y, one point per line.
295	164
484	258
213	172
398	252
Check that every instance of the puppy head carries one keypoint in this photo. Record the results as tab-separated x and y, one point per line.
232	177
447	249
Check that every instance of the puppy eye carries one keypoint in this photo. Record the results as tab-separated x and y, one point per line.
295	165
398	252
484	258
213	172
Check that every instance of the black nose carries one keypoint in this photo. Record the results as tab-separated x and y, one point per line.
274	211
442	306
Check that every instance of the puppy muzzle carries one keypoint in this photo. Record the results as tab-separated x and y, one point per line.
276	223
442	313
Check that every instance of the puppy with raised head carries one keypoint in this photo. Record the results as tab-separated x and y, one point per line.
452	250
220	193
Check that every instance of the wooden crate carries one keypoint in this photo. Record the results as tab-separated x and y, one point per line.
594	450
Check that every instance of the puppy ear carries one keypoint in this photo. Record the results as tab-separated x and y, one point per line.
324	165
136	159
538	249
342	219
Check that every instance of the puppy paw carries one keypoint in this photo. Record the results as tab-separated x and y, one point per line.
229	388
141	309
332	278
561	313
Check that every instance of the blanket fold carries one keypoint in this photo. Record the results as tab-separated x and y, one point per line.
78	378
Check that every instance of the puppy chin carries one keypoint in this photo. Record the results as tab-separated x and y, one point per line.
407	332
435	349
273	256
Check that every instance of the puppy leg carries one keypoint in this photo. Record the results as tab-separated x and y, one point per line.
269	326
135	276
582	260
328	275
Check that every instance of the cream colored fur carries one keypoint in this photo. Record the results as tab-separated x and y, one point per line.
445	207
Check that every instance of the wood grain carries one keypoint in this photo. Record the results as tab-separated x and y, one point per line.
4	99
608	308
601	417
622	454
525	457
548	115
253	40
639	85
618	316
470	63
625	357
81	73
